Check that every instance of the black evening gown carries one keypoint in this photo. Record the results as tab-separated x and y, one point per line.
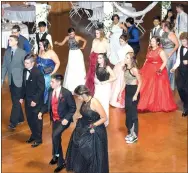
88	153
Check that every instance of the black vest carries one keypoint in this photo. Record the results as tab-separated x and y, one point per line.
183	57
38	38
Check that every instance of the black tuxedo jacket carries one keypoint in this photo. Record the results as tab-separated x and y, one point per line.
66	105
33	88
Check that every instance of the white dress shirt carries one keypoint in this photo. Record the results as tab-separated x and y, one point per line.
157	27
176	65
57	90
48	37
183	26
28	73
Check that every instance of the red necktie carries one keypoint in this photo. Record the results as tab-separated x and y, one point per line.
55	95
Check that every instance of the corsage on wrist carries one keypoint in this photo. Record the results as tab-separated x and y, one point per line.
159	71
92	126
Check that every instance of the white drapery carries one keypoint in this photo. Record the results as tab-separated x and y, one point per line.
135	14
108	12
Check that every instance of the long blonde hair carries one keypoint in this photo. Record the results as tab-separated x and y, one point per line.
133	64
102	34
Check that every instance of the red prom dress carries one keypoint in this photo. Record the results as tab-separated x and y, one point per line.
155	94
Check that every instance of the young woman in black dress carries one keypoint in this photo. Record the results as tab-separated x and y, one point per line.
88	147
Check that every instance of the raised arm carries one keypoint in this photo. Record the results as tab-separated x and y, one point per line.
63	42
123	27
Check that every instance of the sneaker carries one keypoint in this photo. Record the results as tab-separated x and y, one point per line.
132	140
127	137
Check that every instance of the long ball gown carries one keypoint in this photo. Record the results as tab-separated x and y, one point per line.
114	43
102	91
155	94
41	64
91	72
88	153
75	71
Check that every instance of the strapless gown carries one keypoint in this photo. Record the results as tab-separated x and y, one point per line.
41	64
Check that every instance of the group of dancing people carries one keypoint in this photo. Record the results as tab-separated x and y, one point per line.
108	81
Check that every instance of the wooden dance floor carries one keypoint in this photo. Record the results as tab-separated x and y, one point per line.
162	144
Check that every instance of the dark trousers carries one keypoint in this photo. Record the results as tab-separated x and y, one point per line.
34	123
136	49
57	130
16	112
182	85
131	108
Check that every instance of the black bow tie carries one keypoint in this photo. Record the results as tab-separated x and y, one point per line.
28	70
185	47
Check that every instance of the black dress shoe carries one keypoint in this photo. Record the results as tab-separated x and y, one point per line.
184	114
53	161
29	140
59	168
11	127
36	144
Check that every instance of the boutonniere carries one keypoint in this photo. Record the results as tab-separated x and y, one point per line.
61	97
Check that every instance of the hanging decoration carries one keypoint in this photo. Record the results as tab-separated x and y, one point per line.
165	6
135	14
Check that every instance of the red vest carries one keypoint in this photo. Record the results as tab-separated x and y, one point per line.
55	114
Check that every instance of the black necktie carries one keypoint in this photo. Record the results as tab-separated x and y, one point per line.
154	31
178	23
12	54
